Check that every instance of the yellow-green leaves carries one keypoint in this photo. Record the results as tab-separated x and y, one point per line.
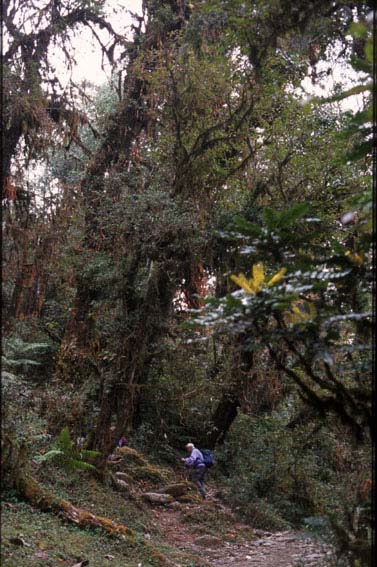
356	258
277	277
258	280
300	312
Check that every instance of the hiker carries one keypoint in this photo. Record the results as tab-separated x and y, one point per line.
197	467
122	441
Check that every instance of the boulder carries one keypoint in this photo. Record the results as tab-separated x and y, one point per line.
175	490
156	498
114	459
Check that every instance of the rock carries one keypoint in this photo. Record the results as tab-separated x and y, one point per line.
119	484
174	505
114	459
41	555
19	541
123	476
122	486
261	533
208	541
175	490
156	498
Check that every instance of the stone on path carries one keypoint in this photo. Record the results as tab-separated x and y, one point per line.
122	486
208	541
123	476
174	505
175	490
156	498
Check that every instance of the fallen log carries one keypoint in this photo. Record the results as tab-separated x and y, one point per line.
46	501
14	468
34	493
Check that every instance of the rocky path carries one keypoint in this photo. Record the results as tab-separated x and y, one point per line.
266	549
281	549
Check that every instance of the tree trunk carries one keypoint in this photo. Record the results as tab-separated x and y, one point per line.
222	419
227	408
119	391
120	397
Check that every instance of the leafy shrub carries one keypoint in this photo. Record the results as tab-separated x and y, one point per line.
309	476
263	514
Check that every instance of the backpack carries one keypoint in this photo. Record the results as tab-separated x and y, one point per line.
208	458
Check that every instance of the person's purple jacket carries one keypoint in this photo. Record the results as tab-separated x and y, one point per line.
195	460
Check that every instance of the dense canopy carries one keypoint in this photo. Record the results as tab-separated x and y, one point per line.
187	251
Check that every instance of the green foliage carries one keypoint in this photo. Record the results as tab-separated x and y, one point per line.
20	355
207	165
359	128
272	472
280	472
284	219
67	455
317	352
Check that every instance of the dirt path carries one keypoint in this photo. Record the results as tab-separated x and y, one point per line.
282	549
266	549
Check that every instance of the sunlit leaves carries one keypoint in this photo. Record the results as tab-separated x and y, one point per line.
258	279
356	258
300	312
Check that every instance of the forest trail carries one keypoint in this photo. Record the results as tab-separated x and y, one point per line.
278	549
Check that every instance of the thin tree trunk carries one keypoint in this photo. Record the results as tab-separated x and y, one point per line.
227	408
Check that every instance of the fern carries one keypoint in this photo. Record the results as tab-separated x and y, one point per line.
18	355
66	455
49	456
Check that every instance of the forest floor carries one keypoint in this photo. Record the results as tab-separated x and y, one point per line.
187	532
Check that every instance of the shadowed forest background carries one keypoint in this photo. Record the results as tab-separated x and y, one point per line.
187	256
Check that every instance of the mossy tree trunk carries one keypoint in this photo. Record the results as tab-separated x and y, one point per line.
120	380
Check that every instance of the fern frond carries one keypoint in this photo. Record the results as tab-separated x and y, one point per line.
67	455
76	464
49	456
21	362
64	441
87	454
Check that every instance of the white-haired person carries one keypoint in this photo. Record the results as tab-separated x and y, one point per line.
195	463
